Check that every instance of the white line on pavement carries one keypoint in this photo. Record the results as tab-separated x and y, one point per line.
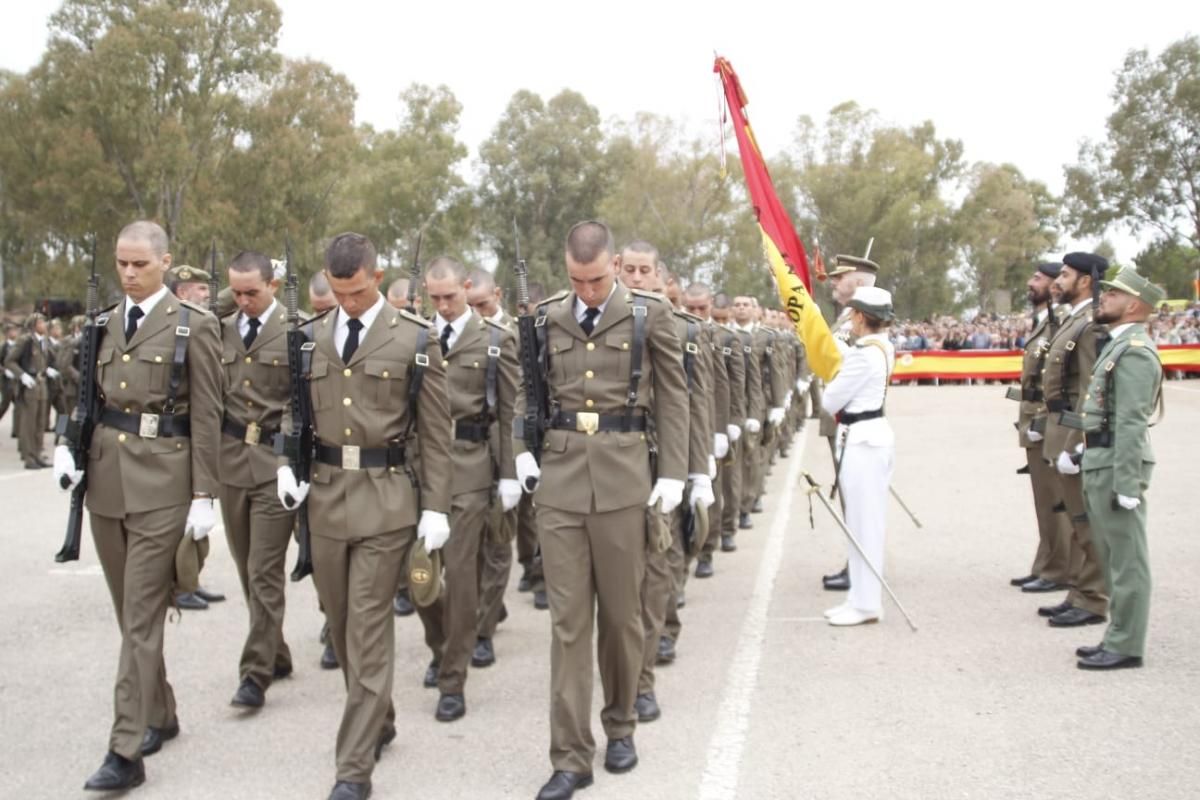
1170	385
720	779
26	474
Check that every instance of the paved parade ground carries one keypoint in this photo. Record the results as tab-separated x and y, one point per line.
764	700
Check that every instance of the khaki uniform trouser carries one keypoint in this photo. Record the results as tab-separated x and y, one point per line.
259	530
1052	562
595	564
1120	538
731	493
31	426
752	466
1087	573
494	569
450	623
137	554
356	582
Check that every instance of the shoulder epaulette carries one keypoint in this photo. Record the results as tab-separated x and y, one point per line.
555	297
193	306
107	309
648	295
415	318
495	324
688	316
305	321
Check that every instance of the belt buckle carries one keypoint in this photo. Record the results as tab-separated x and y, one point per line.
587	422
253	433
148	426
350	457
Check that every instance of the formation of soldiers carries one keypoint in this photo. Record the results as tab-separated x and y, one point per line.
661	425
1091	381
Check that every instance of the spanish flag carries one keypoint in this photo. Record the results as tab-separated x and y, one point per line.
780	243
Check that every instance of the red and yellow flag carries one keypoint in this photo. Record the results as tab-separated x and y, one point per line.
782	247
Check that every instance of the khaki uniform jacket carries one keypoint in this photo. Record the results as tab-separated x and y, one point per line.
1033	412
34	365
751	361
466	379
126	473
700	394
719	407
729	348
1081	331
257	386
365	404
610	470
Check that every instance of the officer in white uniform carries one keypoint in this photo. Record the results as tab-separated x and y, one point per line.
867	449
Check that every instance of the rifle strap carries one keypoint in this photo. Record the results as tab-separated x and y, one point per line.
690	350
490	375
767	375
178	359
543	347
416	377
635	359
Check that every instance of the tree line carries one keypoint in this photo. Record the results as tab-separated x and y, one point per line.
186	112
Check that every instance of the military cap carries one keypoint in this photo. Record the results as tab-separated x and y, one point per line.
1129	281
698	521
873	301
225	302
1087	263
844	264
190	555
185	274
424	575
1050	268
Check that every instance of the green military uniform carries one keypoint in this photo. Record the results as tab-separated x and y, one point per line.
766	362
28	357
729	344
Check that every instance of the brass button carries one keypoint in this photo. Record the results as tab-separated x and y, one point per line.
179	445
346	372
476	367
386	374
249	360
391	469
589	402
349	432
624	345
246	382
589	374
275	362
590	346
158	359
124	384
128	410
121	437
445	364
346	401
125	357
642	437
250	404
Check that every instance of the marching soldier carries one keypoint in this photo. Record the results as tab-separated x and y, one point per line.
743	387
1064	383
256	383
376	379
152	474
1051	563
1125	386
480	359
66	361
29	359
608	350
8	378
761	407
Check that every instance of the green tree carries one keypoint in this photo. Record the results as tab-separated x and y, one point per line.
1172	265
1146	173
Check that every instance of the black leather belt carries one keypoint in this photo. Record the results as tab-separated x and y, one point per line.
1056	404
589	422
847	418
470	431
148	426
353	457
250	434
1098	439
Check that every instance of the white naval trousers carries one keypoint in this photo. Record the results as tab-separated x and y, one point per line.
865	475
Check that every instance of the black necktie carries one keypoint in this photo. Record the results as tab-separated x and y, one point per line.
251	334
445	338
589	320
351	344
131	322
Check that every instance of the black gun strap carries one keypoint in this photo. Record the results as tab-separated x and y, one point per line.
690	349
179	359
635	357
493	368
1064	391
767	375
416	377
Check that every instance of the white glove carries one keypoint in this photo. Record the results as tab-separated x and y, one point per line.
734	431
721	444
65	474
1033	435
510	493
201	518
787	398
433	529
753	425
528	472
712	466
775	416
669	491
702	491
801	385
27	380
8	373
52	373
1065	465
1128	503
291	494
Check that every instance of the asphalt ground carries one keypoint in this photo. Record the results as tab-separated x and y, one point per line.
764	701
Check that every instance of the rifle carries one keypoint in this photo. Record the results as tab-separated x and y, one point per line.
76	429
537	400
414	272
214	281
298	445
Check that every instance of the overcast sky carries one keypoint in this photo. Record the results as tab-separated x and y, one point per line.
1021	82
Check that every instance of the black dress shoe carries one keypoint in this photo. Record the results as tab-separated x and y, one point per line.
1106	659
1022	581
209	596
1074	617
621	755
431	675
248	695
757	508
402	605
540	602
1088	650
727	543
503	613
484	655
329	657
646	707
36	465
153	738
282	671
387	737
190	601
704	569
1042	585
450	707
838	581
744	522
117	772
1050	611
562	785
680	599
666	650
345	790
525	585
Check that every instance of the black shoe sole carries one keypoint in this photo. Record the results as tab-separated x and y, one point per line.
482	664
136	782
644	718
1092	621
620	770
837	587
1122	665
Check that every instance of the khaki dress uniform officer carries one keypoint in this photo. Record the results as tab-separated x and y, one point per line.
741	390
29	358
756	413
